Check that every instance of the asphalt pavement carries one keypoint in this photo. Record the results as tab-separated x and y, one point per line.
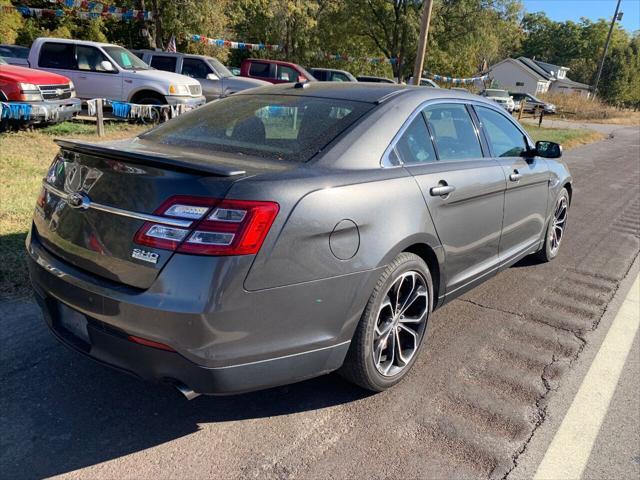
473	406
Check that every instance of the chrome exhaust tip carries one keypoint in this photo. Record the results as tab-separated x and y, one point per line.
186	391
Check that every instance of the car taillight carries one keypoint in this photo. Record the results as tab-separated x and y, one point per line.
217	227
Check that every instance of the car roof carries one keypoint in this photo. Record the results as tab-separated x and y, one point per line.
76	42
266	60
170	54
322	69
360	92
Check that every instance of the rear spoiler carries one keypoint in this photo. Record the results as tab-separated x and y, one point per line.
142	157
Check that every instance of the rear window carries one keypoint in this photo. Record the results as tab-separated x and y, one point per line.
259	69
57	55
274	127
162	62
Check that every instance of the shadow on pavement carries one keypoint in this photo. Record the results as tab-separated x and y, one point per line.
62	412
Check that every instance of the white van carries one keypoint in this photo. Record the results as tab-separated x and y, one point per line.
102	70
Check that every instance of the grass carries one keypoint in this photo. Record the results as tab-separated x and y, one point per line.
567	137
25	157
578	108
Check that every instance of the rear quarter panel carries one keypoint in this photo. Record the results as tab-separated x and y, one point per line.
343	223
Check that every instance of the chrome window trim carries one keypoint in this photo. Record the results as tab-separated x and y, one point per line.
385	161
174	222
500	111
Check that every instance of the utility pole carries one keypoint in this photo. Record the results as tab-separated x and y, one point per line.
422	42
606	47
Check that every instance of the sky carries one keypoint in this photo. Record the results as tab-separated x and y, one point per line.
561	10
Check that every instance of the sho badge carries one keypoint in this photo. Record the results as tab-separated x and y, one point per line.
140	254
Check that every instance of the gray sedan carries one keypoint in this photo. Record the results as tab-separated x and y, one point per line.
289	231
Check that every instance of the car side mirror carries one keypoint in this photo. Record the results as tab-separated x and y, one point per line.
547	149
106	66
212	76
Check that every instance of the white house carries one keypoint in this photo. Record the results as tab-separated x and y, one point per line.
535	77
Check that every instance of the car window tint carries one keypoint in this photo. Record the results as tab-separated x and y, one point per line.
274	127
505	138
339	77
287	74
90	59
163	62
415	146
195	68
259	69
453	132
57	55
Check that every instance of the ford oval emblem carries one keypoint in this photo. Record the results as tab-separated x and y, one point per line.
78	200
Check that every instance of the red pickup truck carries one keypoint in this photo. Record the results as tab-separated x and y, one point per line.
52	97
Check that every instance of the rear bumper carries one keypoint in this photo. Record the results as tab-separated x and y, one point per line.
110	346
224	345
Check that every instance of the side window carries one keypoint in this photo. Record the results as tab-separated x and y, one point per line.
192	67
415	146
287	73
339	77
505	138
57	55
163	62
319	75
259	69
453	132
90	59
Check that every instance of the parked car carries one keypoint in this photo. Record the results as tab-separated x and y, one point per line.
425	82
274	71
102	70
531	103
501	97
288	231
332	75
15	55
370	79
216	80
52	97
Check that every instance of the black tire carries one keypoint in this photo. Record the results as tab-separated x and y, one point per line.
151	99
548	252
359	366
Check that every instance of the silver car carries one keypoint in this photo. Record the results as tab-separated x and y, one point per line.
216	79
289	231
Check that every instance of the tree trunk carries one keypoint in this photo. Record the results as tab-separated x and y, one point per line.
157	25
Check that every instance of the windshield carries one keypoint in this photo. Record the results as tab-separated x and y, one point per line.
220	69
125	59
274	127
497	93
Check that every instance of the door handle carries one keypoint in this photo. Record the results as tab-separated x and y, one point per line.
515	176
441	190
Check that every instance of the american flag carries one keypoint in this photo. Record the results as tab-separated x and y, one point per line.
171	46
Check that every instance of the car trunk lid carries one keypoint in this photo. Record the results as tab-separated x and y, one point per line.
97	196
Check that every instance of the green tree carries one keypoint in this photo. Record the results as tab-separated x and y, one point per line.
10	23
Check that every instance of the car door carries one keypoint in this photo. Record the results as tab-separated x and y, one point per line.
197	68
94	78
528	177
463	189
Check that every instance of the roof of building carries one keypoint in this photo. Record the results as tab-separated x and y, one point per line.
537	69
567	82
550	68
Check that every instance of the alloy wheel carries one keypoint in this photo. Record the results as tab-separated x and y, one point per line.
557	227
400	323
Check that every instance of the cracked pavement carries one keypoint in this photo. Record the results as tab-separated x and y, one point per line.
469	409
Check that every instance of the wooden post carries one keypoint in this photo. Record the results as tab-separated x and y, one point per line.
522	103
422	42
99	118
541	115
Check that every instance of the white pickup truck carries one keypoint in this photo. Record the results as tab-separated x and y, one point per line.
102	70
